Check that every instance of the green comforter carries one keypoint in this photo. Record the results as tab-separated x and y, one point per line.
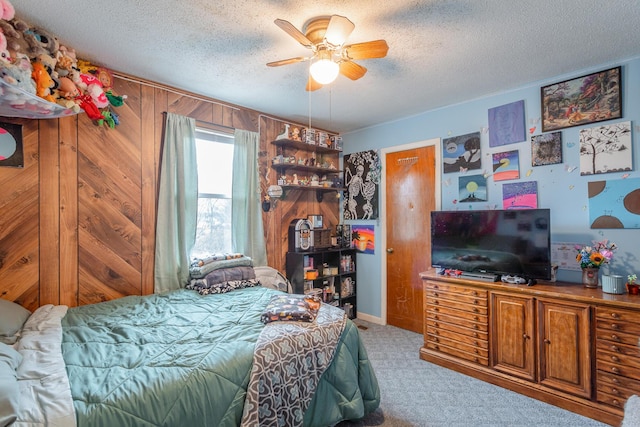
182	359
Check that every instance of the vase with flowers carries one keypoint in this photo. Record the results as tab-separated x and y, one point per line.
591	258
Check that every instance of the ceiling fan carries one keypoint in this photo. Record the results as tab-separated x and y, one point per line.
325	36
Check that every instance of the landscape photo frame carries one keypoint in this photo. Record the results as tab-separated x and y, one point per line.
582	100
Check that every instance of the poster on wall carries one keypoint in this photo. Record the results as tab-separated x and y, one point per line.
546	149
506	165
472	188
614	203
361	179
520	195
506	124
461	153
583	100
363	238
11	153
605	149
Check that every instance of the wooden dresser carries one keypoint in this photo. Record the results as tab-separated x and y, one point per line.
562	343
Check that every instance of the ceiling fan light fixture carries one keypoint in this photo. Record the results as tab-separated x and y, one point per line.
324	71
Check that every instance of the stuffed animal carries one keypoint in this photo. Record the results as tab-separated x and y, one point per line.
44	83
5	56
7	12
19	75
66	61
90	85
47	41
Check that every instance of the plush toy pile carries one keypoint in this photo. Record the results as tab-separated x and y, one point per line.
32	60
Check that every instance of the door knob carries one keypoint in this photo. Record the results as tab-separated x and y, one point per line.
390	250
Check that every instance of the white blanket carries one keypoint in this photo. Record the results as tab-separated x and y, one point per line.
45	396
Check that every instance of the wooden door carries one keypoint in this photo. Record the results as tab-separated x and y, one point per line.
410	197
512	335
565	347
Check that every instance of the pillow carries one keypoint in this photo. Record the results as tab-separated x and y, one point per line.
271	278
12	318
300	308
9	393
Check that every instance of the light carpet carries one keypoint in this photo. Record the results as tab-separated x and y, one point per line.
418	393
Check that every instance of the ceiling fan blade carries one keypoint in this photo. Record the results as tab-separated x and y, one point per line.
293	32
352	70
312	85
338	30
287	61
366	50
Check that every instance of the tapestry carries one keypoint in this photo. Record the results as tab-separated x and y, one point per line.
361	179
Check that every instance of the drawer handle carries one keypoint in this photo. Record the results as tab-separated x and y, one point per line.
475	293
615	315
615	348
475	301
475	317
436	340
615	402
547	341
476	310
525	336
476	351
437	347
436	302
436	309
475	327
615	358
435	287
615	370
615	381
475	335
615	391
615	337
615	326
435	317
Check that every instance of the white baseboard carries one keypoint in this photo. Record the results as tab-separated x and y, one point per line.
368	318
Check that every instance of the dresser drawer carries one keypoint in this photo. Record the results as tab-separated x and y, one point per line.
618	315
458	326
442	348
477	339
456	309
616	347
615	384
457	318
611	400
455	343
615	335
617	368
447	298
618	358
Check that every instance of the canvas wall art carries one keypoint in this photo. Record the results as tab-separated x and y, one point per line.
546	149
363	238
614	203
506	165
605	149
461	153
506	124
520	195
587	99
11	151
361	179
472	188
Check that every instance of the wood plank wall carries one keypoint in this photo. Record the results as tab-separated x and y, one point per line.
77	222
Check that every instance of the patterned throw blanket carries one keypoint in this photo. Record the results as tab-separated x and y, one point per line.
282	382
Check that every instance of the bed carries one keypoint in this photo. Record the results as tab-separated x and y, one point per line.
186	359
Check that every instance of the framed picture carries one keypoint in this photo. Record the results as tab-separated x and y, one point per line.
588	99
461	153
11	153
546	149
506	165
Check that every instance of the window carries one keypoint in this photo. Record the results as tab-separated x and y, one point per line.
215	166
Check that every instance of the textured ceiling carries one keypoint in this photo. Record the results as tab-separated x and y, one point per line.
441	52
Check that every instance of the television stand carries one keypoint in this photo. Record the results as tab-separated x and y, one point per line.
484	277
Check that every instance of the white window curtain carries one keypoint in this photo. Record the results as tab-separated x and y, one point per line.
177	204
246	224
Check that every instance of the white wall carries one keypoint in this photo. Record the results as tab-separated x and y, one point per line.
565	193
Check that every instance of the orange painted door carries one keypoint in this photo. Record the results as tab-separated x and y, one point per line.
410	197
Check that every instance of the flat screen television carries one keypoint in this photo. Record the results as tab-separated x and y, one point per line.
493	242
